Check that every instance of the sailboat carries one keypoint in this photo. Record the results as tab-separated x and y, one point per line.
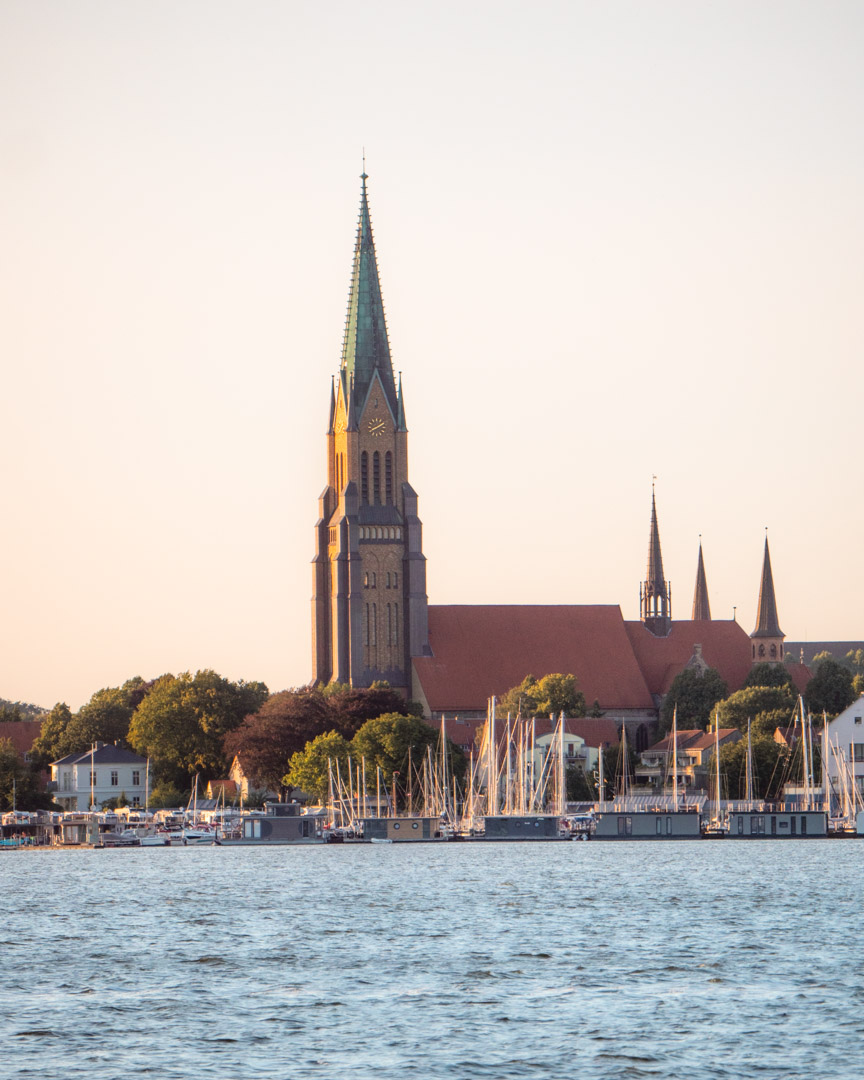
718	824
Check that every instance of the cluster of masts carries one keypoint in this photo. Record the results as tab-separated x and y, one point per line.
503	779
839	797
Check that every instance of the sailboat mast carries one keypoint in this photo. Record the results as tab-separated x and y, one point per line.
804	761
508	809
675	758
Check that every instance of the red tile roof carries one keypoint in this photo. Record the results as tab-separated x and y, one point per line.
478	651
22	733
801	675
694	739
725	646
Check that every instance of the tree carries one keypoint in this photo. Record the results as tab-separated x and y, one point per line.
553	694
166	795
292	718
267	740
389	742
769	675
768	707
557	694
695	693
19	782
350	707
105	718
107	715
182	722
770	760
831	689
855	661
578	786
309	767
596	712
52	744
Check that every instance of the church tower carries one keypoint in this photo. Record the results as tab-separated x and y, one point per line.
369	606
655	593
767	638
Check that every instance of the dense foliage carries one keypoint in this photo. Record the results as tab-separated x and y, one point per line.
266	741
768	707
768	675
394	743
831	689
695	693
105	718
19	782
551	695
182	722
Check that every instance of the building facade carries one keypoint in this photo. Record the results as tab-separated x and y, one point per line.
106	772
369	606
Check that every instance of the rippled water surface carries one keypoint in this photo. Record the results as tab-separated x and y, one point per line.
498	961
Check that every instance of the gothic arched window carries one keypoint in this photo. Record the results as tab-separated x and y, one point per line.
376	477
388	477
364	476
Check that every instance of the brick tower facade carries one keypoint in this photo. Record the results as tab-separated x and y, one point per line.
369	604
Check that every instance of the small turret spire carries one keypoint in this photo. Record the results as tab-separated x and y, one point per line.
332	404
701	607
655	597
767	638
767	624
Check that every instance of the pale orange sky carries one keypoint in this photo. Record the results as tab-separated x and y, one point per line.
615	240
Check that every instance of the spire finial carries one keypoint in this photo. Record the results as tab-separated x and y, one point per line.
363	176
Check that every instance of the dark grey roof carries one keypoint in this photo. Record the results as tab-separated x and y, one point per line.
106	754
838	649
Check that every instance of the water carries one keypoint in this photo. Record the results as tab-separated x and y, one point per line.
498	961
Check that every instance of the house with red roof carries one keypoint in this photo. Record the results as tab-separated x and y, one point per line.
693	751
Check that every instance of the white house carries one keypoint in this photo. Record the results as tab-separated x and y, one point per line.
846	734
97	775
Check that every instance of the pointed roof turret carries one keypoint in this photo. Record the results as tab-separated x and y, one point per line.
767	625
655	595
332	404
366	348
701	607
654	578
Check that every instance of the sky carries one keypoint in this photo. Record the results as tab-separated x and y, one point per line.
616	241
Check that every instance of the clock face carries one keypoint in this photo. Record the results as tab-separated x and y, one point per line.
377	427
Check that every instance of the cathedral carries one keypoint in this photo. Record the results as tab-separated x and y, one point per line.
371	618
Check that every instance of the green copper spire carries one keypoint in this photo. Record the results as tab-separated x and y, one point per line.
366	348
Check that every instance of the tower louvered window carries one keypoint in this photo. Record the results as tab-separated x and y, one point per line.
388	477
364	477
376	477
